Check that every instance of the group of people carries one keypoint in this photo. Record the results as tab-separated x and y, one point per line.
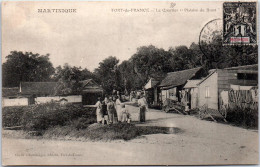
112	110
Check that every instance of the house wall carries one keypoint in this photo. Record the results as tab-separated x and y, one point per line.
194	98
165	95
212	84
90	98
155	96
224	79
14	102
169	94
71	99
149	84
228	77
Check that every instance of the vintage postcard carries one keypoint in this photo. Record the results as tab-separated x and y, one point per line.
130	83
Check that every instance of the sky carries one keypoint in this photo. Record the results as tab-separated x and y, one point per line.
98	30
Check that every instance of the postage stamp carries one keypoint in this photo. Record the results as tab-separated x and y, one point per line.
239	23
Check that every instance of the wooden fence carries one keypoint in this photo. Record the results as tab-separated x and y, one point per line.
239	98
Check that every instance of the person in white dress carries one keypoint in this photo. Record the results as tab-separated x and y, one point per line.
99	111
118	109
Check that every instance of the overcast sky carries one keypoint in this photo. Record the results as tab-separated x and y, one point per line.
94	32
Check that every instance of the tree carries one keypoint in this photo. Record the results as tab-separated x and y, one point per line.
108	74
129	79
26	67
150	61
68	80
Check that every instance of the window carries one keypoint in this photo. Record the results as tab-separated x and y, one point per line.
207	92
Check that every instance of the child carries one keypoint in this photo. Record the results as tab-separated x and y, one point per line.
187	108
125	114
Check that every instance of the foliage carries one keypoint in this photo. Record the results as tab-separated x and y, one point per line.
150	61
44	116
68	80
27	67
132	74
107	132
11	116
83	122
108	74
243	117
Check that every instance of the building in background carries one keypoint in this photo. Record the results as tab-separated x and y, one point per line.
153	91
174	82
190	93
90	92
219	80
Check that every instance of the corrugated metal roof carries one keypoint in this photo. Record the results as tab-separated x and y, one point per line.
179	77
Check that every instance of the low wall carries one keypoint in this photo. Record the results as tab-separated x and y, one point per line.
71	99
15	102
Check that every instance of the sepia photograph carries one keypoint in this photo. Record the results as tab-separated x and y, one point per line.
129	83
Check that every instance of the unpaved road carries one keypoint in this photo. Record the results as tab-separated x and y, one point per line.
201	143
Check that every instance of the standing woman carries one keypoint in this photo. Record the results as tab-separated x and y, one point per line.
118	109
99	111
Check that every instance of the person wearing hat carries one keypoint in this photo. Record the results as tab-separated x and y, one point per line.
143	107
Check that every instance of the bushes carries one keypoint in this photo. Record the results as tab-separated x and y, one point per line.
83	122
243	117
11	116
42	116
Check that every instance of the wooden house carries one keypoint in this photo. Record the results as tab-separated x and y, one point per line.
152	91
174	82
190	93
223	80
90	92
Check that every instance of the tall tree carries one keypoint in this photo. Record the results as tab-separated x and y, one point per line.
26	66
108	74
150	61
68	80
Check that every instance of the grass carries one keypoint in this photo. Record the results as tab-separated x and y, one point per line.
51	120
97	132
245	118
93	132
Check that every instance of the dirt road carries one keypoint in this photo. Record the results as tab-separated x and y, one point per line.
202	142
